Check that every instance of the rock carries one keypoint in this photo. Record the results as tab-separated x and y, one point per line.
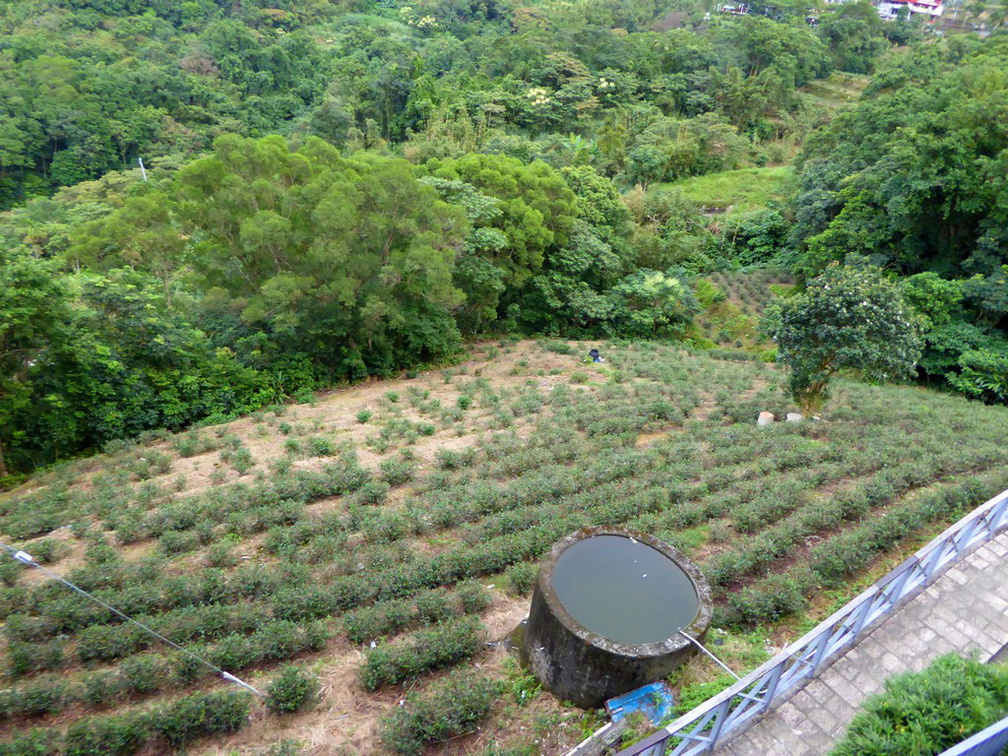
765	418
795	417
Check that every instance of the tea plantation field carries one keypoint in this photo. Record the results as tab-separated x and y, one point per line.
384	540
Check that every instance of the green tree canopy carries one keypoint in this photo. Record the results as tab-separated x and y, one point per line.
350	261
848	317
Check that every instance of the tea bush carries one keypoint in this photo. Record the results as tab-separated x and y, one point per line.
118	735
108	642
449	708
202	714
521	578
29	658
43	696
292	689
425	650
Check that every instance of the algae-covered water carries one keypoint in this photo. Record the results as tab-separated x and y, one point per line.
624	590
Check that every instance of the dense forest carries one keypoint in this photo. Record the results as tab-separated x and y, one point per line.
334	190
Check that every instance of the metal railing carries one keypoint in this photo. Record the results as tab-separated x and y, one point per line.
700	730
989	742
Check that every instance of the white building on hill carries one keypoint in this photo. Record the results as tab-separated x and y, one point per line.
889	8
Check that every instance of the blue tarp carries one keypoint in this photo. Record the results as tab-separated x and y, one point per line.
654	701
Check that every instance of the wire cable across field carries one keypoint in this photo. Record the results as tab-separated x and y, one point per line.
26	559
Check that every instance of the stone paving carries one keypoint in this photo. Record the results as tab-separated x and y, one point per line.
965	609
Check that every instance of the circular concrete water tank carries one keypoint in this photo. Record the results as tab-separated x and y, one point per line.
606	614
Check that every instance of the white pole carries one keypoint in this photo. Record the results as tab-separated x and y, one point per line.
142	170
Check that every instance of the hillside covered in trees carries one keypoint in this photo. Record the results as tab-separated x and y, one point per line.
347	189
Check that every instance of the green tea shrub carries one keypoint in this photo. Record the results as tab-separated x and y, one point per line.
395	472
558	347
930	711
192	444
766	602
425	650
47	550
472	597
449	459
24	627
10	572
44	696
307	602
221	555
178	542
449	708
118	735
100	688
28	658
434	606
276	641
100	643
521	578
371	493
240	459
202	714
379	620
320	446
292	689
145	673
36	742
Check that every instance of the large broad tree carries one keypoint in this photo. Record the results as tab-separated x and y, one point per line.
349	261
848	317
33	310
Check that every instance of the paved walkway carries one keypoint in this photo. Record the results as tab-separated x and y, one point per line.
965	609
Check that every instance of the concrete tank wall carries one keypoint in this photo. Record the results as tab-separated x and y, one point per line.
585	668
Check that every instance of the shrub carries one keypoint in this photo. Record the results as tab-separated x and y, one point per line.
434	606
291	690
203	714
376	621
395	472
145	673
472	597
100	688
424	650
33	743
451	707
107	736
930	711
521	578
765	602
319	446
108	642
178	541
28	658
372	492
364	415
448	459
41	697
22	627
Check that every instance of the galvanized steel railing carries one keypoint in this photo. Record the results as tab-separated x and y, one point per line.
989	742
700	730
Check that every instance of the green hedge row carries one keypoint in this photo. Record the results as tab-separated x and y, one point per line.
175	724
